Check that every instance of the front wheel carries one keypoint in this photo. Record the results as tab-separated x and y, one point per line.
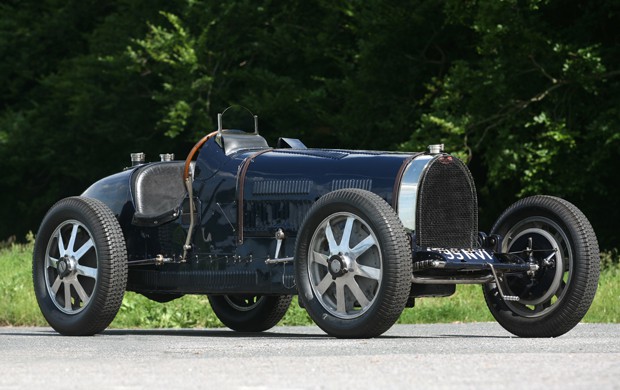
561	241
79	266
353	264
250	313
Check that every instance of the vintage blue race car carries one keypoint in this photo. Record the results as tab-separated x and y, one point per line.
358	235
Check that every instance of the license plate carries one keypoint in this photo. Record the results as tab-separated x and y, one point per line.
463	254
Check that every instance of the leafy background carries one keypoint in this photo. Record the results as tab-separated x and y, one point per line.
526	91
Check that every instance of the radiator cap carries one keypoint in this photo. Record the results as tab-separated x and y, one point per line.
435	148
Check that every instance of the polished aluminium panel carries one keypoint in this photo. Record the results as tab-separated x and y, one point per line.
408	194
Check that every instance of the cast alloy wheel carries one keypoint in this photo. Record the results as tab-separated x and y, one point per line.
71	267
345	265
79	266
353	264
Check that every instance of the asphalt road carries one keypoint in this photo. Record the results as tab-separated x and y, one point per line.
440	356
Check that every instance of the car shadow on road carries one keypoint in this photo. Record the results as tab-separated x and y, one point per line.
169	332
225	333
208	333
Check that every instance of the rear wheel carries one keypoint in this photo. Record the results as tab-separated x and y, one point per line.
249	313
79	266
561	241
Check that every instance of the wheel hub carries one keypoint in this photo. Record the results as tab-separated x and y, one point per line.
66	266
338	265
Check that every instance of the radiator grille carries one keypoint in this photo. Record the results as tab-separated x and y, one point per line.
447	212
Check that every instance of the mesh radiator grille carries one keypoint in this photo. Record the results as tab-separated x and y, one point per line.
447	212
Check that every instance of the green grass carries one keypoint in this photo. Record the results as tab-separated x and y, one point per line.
18	305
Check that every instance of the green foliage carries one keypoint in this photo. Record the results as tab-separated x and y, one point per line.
610	259
466	305
530	100
171	54
70	111
18	305
525	91
138	311
605	307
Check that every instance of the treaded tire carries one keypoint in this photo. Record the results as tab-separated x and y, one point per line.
250	313
381	271
562	295
87	298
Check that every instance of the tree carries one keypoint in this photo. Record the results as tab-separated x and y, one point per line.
71	112
532	103
526	91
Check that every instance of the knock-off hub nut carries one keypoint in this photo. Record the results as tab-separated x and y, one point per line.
65	266
337	265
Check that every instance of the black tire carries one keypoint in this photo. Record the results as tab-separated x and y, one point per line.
79	266
250	313
353	264
561	291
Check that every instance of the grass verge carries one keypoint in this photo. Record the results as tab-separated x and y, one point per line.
19	308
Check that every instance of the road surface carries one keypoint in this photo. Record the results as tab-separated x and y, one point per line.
439	356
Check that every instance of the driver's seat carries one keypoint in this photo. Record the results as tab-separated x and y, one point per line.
235	140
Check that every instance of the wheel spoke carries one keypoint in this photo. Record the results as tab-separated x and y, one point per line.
61	245
80	291
363	246
324	284
67	296
318	258
346	233
89	272
358	293
71	244
368	272
340	300
52	262
56	285
331	241
83	249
